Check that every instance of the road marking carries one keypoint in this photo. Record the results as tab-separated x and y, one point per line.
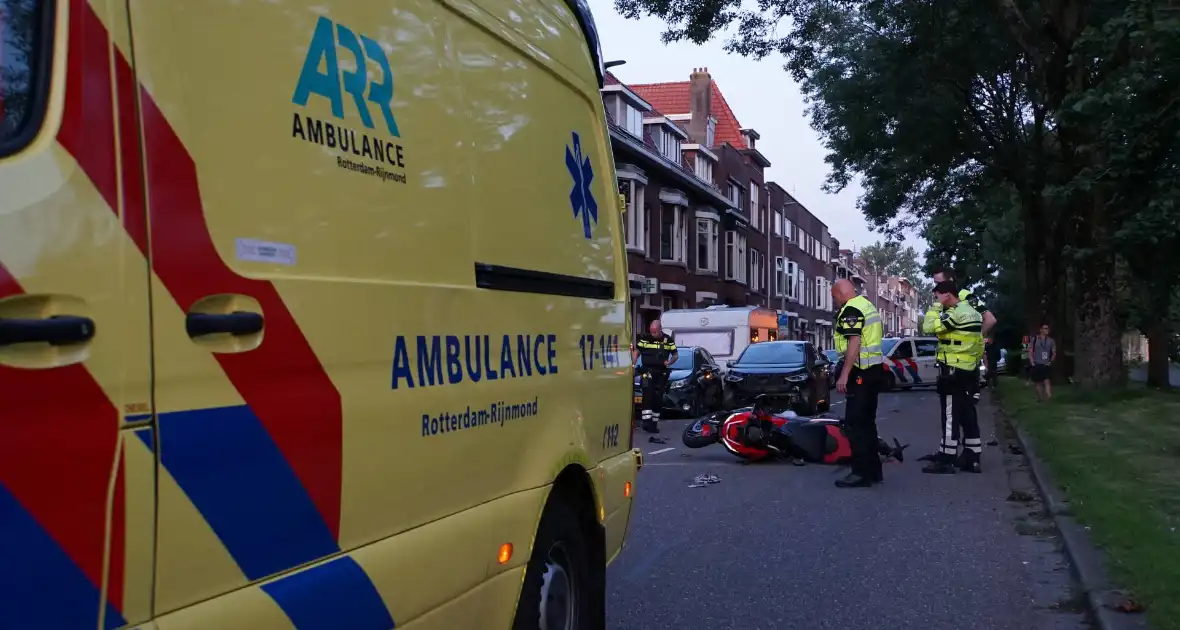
838	402
662	450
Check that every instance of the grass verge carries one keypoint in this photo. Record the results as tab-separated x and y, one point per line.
1116	457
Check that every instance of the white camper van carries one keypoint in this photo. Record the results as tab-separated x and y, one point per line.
724	331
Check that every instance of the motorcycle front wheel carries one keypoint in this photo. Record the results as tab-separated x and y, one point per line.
700	433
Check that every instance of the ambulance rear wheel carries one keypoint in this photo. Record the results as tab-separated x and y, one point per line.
559	581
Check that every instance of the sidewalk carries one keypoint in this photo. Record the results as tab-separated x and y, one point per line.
1116	458
1139	374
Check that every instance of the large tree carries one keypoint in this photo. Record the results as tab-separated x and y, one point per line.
892	259
940	105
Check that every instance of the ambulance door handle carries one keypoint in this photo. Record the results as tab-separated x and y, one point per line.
238	323
58	330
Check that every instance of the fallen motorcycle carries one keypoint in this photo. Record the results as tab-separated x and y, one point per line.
755	434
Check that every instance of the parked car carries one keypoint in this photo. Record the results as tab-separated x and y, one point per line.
837	363
694	385
792	372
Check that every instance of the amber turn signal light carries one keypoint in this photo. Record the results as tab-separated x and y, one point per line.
505	553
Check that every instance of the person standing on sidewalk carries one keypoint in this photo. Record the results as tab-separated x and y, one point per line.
658	351
857	336
1042	355
960	342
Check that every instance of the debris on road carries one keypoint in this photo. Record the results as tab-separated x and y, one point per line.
1130	606
657	440
704	479
1020	496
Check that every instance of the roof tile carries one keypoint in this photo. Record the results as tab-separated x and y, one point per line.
676	98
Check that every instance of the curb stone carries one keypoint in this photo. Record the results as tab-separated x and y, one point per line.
1084	557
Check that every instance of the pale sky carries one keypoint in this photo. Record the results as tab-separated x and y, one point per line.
763	96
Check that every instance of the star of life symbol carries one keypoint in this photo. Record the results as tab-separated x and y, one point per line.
581	197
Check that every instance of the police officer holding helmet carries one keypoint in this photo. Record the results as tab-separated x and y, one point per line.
658	352
960	348
858	335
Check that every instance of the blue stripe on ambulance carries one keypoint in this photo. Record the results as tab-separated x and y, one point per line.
233	472
40	586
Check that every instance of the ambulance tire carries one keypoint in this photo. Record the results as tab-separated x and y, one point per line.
561	573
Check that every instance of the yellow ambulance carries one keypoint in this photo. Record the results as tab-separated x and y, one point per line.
312	316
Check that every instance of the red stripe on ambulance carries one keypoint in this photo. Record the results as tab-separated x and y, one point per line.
58	438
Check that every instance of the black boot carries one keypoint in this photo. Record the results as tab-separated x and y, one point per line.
853	480
943	464
969	462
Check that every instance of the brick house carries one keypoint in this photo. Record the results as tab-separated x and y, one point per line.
674	210
719	145
801	249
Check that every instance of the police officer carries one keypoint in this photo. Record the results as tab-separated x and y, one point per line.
989	320
960	342
658	352
858	335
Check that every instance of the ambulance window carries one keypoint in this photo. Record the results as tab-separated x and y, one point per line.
25	28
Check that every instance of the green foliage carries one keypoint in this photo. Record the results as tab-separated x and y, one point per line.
892	259
1034	143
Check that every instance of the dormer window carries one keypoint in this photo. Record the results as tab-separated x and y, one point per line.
752	137
667	136
626	107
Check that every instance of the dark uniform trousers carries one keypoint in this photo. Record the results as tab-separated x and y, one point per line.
956	392
654	388
860	421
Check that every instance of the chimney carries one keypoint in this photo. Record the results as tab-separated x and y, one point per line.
700	90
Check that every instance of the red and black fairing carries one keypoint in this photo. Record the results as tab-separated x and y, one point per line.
814	440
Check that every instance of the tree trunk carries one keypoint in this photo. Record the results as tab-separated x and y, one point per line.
1158	366
1034	303
1099	335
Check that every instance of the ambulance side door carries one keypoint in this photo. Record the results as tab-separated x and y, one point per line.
77	513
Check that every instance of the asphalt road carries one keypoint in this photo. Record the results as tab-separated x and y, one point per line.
776	546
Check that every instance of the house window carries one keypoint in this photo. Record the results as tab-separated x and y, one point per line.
708	245
673	234
755	211
792	280
735	195
757	271
635	222
778	223
735	256
819	293
788	228
704	168
804	293
668	303
630	119
780	275
670	145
